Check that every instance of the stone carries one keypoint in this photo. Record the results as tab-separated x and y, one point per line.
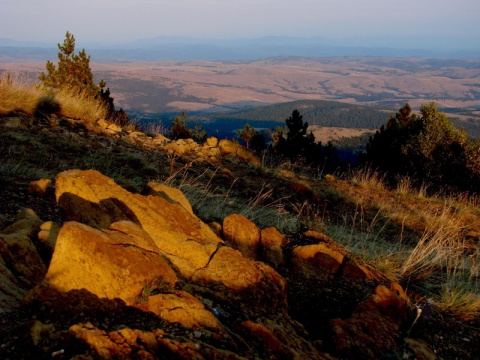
242	234
255	286
12	291
182	146
373	330
93	199
319	237
182	308
103	123
216	227
267	340
271	243
161	140
39	187
18	250
114	128
316	261
212	141
353	271
48	235
228	147
40	331
112	263
172	195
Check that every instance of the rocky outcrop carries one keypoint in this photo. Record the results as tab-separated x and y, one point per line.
180	307
228	147
175	196
152	253
271	246
21	266
373	330
325	259
133	275
117	262
95	200
242	234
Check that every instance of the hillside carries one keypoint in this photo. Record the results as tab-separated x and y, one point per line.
250	259
315	112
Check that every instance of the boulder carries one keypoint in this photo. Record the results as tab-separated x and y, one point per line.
172	195
194	251
12	291
373	330
271	243
254	286
211	141
137	138
317	261
335	259
182	308
216	227
228	147
160	140
242	234
117	262
18	250
352	270
267	340
93	199
48	235
39	187
182	146
136	344
21	267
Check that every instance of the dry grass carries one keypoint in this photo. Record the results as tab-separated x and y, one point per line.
79	105
413	239
17	94
367	178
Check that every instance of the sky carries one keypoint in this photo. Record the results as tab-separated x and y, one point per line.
117	21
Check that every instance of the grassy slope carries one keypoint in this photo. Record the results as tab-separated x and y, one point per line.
426	243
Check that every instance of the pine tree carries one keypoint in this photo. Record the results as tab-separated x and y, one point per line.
73	73
246	134
73	70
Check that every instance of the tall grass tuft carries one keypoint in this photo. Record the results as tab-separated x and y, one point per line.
366	177
80	105
437	262
17	94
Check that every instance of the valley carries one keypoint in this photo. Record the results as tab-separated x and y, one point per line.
386	83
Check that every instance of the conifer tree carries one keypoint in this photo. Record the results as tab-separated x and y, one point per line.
73	73
247	134
73	70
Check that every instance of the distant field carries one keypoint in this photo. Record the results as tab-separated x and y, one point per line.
384	83
326	134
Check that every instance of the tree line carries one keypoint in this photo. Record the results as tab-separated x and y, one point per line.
426	147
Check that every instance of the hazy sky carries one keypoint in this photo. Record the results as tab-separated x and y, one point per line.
106	21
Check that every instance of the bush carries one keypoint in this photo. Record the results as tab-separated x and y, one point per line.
427	148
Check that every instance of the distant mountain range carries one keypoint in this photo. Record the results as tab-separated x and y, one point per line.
187	48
